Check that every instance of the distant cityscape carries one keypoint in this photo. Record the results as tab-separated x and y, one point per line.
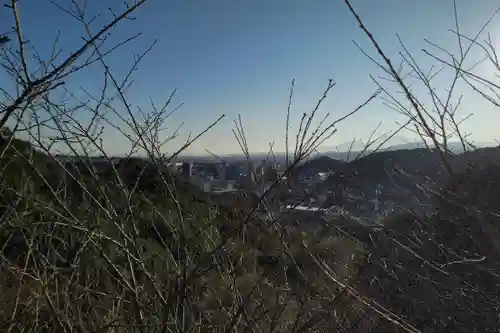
367	190
304	191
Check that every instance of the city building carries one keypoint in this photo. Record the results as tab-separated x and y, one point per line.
187	169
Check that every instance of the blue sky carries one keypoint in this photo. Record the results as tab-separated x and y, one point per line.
239	57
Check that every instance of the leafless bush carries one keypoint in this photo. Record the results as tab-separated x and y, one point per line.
434	270
124	245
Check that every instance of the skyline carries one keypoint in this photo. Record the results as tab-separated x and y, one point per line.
239	58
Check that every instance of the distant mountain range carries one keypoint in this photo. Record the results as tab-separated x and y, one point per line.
347	152
343	152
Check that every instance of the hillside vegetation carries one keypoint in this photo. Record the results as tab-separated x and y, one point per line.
94	247
440	273
405	168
